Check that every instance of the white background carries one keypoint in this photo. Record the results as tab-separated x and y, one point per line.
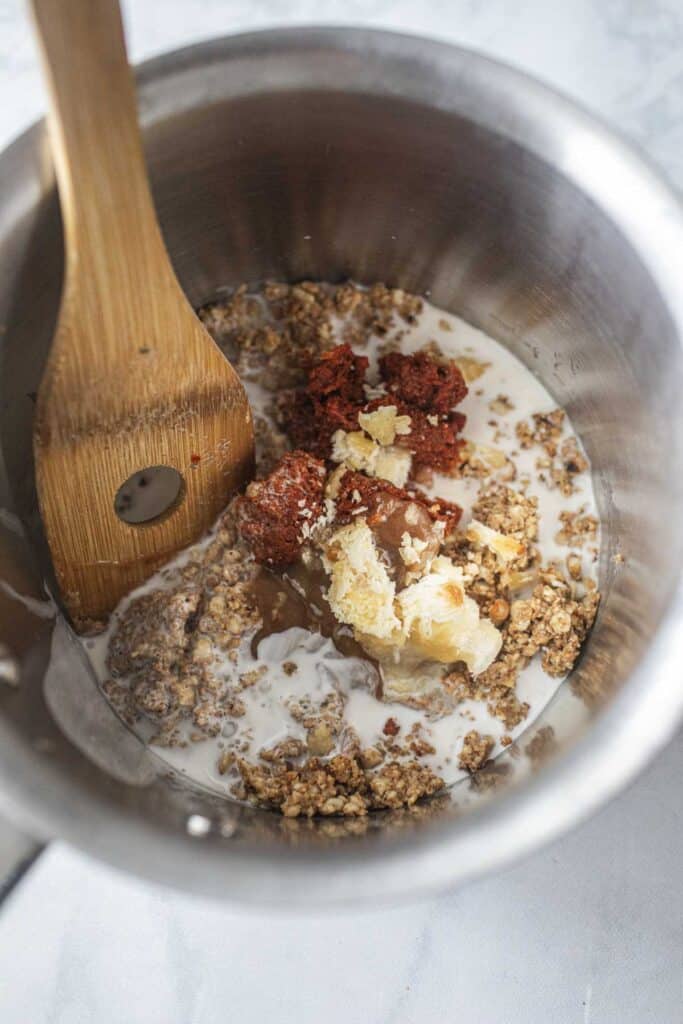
587	931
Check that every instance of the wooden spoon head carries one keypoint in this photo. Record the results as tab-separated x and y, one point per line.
174	401
133	380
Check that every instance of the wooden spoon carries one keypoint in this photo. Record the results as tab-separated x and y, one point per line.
133	381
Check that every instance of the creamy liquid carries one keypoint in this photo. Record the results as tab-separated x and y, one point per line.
321	668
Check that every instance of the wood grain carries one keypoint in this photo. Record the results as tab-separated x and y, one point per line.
133	379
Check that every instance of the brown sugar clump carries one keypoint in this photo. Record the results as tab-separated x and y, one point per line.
296	415
330	401
274	513
338	376
420	381
433	439
360	493
402	785
507	511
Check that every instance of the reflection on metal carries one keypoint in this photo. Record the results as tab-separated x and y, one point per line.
90	723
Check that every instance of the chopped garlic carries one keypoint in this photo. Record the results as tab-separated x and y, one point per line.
393	464
360	452
507	548
384	424
361	592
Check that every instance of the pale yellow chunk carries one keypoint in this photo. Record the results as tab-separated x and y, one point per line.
430	620
361	592
358	451
393	464
441	623
384	424
507	548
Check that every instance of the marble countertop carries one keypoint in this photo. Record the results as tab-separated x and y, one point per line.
588	931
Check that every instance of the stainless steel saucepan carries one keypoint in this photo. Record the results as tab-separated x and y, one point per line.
334	153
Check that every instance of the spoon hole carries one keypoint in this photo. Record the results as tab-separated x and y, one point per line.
148	494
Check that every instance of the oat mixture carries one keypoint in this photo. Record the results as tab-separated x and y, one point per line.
397	593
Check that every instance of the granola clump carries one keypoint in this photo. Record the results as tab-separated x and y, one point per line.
419	381
495	687
475	751
277	513
554	620
341	785
166	642
358	494
576	529
497	552
374	311
484	462
290	324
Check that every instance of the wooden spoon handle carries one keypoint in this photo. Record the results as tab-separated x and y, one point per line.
110	222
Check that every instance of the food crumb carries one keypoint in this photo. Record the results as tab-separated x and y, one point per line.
576	528
475	751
